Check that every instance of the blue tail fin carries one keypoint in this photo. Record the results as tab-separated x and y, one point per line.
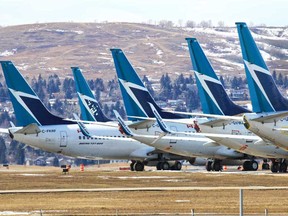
213	97
264	93
27	106
136	97
90	108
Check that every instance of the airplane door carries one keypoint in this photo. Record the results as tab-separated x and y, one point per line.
63	138
173	141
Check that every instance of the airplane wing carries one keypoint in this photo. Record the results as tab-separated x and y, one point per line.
222	120
29	129
165	129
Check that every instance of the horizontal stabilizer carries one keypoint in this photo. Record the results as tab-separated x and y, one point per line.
29	129
237	118
143	124
270	117
4	131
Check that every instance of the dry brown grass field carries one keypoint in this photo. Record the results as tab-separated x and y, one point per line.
154	202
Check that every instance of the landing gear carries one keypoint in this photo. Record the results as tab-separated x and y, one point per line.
136	166
132	165
166	166
176	166
209	166
250	165
265	165
279	166
283	167
214	165
275	167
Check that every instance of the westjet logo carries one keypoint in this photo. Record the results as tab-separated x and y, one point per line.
252	70
90	104
19	95
203	79
128	86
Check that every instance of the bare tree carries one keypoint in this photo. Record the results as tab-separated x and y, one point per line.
166	24
221	24
190	24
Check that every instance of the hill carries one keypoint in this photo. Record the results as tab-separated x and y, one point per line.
55	47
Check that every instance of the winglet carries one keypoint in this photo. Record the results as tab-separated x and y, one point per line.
124	128
160	121
82	127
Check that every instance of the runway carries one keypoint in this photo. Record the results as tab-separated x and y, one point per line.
140	189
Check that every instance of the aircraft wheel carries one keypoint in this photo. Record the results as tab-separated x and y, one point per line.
209	166
132	165
283	167
177	165
275	167
165	166
159	166
138	166
246	166
217	166
253	165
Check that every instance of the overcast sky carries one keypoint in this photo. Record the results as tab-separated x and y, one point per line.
269	12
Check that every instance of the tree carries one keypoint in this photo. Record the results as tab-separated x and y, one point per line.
190	24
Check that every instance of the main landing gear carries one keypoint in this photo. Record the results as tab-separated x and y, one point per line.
166	166
214	165
250	165
162	165
137	166
279	166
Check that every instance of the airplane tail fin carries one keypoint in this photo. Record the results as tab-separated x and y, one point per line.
28	107
136	97
265	95
213	97
90	108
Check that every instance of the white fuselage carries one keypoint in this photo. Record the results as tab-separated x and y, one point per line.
189	145
68	140
184	145
255	147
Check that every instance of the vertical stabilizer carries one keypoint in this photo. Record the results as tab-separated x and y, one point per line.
136	97
28	107
90	108
265	95
213	97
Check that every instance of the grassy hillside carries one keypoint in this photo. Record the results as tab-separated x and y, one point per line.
55	47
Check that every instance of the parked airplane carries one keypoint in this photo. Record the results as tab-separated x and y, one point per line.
214	100
91	111
136	100
270	106
37	127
